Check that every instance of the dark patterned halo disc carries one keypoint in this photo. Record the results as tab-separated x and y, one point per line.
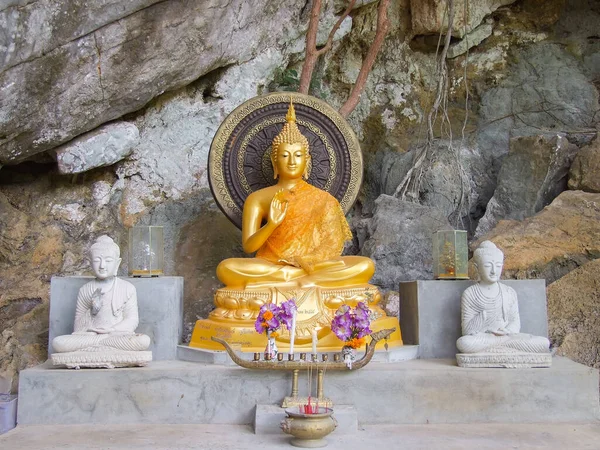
239	160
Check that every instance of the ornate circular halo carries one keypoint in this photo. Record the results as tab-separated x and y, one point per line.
239	159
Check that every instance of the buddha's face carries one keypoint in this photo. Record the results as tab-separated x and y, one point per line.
489	266
104	262
291	160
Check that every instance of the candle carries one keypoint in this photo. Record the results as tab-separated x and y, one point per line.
293	333
314	341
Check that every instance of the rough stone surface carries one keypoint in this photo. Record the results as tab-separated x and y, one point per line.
32	28
585	170
431	16
121	66
102	147
547	92
399	241
532	174
560	238
416	391
456	182
44	230
203	244
391	303
472	39
574	314
170	161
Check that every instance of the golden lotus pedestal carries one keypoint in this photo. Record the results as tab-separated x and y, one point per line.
237	309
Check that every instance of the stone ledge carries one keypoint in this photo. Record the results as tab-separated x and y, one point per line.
410	392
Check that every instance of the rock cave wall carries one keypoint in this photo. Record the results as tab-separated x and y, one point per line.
108	110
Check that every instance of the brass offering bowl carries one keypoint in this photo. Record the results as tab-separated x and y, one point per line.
309	429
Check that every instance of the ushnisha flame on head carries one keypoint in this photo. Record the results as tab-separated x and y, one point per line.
290	134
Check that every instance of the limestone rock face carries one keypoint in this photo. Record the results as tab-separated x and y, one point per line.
43	232
560	238
203	243
574	314
457	183
473	38
585	170
118	67
33	28
431	17
532	175
399	240
547	90
170	160
101	147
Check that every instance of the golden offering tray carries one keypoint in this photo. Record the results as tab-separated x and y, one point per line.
312	364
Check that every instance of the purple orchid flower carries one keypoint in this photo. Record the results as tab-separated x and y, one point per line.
287	310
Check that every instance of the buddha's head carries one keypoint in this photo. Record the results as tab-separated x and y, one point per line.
488	260
289	151
105	257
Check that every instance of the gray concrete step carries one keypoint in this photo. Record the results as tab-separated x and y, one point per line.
410	392
572	436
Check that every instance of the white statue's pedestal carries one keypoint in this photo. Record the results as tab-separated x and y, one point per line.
106	358
514	360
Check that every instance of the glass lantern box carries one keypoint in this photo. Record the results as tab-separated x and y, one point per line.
146	249
450	255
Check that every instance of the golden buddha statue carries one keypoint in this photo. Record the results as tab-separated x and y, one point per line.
298	232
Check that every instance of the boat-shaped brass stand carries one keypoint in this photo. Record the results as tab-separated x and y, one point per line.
313	364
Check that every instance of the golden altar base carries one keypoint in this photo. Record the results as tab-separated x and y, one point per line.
237	309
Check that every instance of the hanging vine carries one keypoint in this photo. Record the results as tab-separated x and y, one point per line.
313	53
424	156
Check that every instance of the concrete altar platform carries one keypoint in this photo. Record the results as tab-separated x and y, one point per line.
430	313
160	306
410	392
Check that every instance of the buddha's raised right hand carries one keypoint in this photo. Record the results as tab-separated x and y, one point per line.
278	208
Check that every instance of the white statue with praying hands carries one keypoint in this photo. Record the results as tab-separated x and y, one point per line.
490	321
106	316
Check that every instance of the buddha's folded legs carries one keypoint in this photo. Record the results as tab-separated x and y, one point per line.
483	342
353	270
528	343
74	342
252	272
241	272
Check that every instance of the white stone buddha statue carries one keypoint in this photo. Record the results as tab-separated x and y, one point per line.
490	320
106	316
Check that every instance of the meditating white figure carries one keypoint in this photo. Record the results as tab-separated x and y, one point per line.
490	311
106	316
